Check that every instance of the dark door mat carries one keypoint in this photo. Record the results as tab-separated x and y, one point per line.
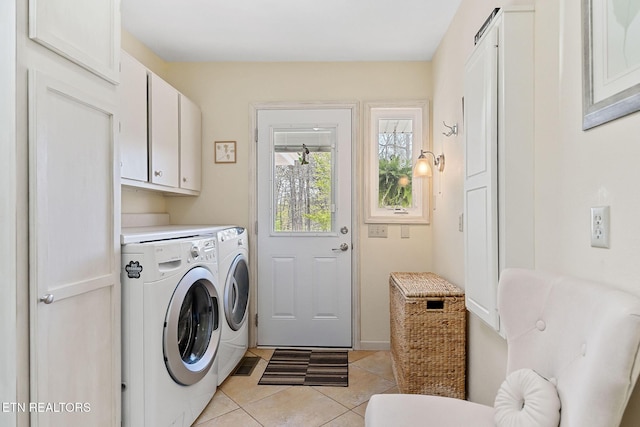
307	367
246	366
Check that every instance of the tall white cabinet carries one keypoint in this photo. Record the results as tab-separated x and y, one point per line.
65	197
499	158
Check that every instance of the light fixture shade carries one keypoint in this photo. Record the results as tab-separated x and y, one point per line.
422	167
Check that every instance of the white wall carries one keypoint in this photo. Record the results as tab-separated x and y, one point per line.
574	171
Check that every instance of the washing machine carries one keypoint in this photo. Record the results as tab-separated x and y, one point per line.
172	319
233	267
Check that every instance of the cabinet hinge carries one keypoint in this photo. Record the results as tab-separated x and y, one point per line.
119	127
256	136
256	320
256	227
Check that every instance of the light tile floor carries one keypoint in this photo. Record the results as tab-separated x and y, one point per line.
240	401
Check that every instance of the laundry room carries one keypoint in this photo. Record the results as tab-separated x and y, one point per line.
173	262
225	92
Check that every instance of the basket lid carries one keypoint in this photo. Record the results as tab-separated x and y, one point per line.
424	285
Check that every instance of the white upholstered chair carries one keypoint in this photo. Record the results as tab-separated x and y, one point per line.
579	336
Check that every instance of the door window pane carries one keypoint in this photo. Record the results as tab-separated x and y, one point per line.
303	184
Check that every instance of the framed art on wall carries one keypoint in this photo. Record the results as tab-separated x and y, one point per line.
225	151
611	60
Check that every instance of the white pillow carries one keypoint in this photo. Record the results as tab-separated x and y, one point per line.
526	399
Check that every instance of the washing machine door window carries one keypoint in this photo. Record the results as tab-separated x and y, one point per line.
192	327
236	292
195	323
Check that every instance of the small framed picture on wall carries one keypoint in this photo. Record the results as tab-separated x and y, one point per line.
225	151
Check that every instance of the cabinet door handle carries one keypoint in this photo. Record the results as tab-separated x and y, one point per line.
157	173
184	179
47	298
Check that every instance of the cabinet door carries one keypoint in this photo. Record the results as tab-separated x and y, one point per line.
481	180
133	120
190	144
73	252
85	32
164	132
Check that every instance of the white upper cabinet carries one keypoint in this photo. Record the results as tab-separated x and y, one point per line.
190	144
163	132
133	123
499	158
160	132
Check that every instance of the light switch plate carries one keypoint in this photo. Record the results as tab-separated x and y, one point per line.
378	230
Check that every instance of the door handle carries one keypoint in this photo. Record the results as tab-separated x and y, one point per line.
47	298
343	247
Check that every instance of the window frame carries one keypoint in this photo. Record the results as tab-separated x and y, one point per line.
418	111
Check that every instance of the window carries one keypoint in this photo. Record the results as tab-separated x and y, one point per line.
303	179
395	134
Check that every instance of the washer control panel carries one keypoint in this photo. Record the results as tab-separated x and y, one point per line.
202	250
209	249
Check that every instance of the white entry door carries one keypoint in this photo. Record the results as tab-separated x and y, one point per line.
304	227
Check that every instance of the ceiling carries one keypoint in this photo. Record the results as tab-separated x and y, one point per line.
289	30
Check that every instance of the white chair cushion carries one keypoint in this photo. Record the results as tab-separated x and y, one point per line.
411	410
526	399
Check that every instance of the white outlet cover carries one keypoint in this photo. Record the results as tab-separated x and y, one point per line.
600	231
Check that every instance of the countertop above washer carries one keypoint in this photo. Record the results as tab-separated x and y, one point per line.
165	232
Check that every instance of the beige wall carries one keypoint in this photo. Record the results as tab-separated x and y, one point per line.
225	91
574	171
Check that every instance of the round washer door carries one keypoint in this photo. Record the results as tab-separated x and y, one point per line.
192	327
236	292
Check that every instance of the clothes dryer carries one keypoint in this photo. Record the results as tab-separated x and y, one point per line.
172	320
233	267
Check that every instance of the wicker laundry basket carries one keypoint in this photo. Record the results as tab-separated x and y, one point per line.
428	335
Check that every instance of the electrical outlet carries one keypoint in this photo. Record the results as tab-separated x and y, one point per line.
600	226
378	230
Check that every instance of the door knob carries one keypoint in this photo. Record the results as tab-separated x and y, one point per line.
47	298
343	247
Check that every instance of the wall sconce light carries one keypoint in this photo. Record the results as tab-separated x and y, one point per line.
422	166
